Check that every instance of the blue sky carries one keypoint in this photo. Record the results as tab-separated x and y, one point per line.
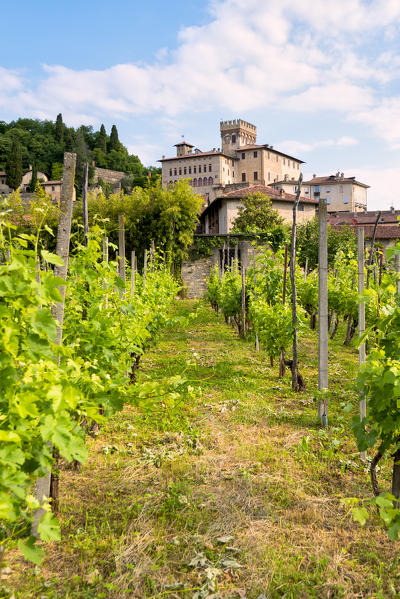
319	78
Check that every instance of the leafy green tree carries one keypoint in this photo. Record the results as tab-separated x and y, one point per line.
307	242
56	171
59	128
14	166
114	141
32	184
68	140
256	215
102	139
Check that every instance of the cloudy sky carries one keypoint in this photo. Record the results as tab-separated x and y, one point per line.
319	78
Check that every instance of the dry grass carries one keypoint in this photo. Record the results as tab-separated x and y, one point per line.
133	521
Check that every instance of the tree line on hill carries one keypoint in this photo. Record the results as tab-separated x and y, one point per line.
42	144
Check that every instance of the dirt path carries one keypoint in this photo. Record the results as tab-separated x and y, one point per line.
234	491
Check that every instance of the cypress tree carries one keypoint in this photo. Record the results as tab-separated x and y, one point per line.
32	184
114	141
69	142
59	128
102	139
14	166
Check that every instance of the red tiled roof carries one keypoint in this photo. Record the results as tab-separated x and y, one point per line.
363	218
54	182
272	193
382	231
2	173
333	180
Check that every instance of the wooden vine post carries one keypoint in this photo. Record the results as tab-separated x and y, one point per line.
85	213
323	313
243	328
133	270
371	253
144	268
296	386
255	292
121	248
282	368
47	486
361	319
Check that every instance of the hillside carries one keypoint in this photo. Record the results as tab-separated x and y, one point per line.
44	142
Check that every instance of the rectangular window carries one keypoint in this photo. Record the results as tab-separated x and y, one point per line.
316	190
209	168
268	155
327	189
170	172
284	161
277	158
190	170
174	171
269	176
345	198
184	170
53	188
255	175
243	176
255	154
233	139
180	171
300	207
194	169
200	168
298	166
243	155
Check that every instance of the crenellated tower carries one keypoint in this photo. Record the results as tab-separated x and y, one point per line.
236	133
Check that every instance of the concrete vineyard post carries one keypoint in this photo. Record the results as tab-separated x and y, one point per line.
323	313
48	485
361	318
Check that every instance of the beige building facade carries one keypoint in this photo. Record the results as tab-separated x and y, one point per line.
219	216
239	160
343	194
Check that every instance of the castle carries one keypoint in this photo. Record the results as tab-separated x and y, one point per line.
239	161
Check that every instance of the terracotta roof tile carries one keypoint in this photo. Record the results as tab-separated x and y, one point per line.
272	193
332	180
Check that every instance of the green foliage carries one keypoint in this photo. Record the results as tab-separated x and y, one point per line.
44	143
101	142
273	324
256	215
59	128
167	217
114	141
56	171
33	183
14	165
48	392
307	242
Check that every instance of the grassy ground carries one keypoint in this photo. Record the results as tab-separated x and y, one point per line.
238	489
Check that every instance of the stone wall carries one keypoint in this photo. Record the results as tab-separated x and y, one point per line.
196	272
107	175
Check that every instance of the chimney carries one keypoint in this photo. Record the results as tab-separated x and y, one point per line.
314	175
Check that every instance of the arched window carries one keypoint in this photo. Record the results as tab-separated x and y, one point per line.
195	182
200	183
210	181
205	181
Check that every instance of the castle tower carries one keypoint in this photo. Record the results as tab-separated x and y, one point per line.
235	134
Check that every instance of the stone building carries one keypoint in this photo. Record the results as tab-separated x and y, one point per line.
27	178
342	193
239	160
219	216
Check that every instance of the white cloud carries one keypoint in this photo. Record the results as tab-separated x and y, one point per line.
297	148
293	55
384	191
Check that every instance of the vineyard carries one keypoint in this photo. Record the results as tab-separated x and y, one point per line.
153	446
